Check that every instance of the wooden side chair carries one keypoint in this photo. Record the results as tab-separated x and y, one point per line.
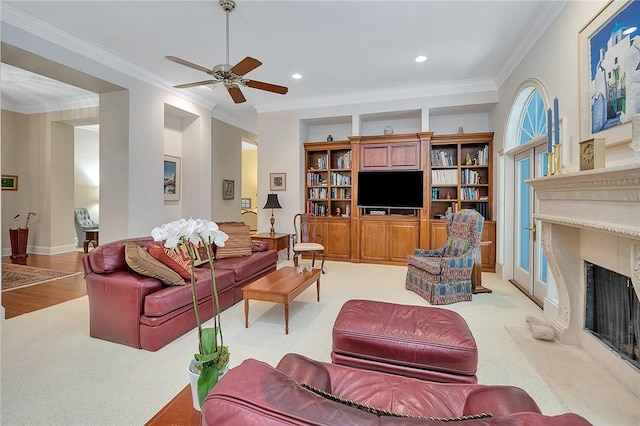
443	276
306	239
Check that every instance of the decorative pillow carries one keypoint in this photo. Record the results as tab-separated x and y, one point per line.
380	412
145	264
174	259
239	242
199	250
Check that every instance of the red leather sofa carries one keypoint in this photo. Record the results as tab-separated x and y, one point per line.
134	310
255	393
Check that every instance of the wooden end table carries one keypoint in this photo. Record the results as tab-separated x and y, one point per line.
90	236
281	286
276	241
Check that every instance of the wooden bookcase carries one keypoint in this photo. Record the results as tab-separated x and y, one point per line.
461	177
329	194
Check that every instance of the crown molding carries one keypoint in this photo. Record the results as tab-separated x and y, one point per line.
58	36
53	105
385	95
547	13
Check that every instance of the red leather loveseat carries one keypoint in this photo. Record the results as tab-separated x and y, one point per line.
143	312
255	393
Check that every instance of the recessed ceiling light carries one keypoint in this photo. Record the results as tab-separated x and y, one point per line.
420	58
296	76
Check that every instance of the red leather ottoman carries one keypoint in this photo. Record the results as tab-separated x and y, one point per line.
416	341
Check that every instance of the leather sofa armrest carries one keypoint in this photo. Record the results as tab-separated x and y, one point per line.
305	370
260	245
499	401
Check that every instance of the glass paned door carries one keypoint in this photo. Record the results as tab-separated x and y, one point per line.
530	263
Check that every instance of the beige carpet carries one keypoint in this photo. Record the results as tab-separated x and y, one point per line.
53	373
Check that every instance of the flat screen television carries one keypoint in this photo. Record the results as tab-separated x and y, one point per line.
390	189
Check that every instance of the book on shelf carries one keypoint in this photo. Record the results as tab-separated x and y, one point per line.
444	177
340	179
344	161
441	158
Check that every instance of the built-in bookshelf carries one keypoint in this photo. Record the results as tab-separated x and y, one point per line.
328	188
460	174
461	178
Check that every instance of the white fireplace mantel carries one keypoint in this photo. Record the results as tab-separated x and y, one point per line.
590	216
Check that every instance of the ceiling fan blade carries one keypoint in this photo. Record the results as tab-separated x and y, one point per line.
197	83
266	86
245	65
188	64
236	94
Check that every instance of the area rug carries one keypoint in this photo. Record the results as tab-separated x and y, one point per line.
17	276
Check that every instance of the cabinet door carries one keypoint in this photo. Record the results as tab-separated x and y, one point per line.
437	234
338	239
404	156
373	240
374	156
403	239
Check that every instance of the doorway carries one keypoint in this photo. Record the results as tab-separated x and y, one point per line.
530	263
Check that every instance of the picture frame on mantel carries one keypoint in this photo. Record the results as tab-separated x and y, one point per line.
171	178
599	116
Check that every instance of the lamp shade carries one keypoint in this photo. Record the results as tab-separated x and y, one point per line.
272	202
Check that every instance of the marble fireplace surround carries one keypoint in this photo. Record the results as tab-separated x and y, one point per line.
590	216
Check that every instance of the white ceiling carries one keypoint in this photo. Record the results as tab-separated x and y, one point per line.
347	51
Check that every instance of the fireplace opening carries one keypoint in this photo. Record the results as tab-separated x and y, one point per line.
613	311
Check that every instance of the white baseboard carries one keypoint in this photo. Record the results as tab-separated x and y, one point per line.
44	250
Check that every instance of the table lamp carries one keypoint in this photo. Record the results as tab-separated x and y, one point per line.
272	203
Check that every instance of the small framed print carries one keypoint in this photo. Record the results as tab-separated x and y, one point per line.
9	182
245	203
278	181
227	189
171	178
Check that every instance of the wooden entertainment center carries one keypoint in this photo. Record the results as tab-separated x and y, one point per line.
457	173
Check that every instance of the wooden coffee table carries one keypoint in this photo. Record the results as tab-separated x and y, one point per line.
281	286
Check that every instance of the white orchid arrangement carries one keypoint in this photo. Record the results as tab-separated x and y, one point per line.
212	356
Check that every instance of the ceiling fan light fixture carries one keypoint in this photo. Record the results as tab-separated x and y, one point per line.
230	76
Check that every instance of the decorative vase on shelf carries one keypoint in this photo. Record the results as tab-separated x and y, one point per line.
388	130
329	138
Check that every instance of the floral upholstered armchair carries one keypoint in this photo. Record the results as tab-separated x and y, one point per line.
443	276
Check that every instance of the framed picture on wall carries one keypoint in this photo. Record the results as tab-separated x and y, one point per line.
608	59
9	182
245	203
171	178
278	181
227	189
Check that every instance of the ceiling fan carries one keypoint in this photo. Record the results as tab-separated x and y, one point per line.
231	76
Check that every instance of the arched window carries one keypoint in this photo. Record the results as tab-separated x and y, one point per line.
533	121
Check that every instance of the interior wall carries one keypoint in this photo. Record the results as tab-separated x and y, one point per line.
39	149
227	164
173	147
15	159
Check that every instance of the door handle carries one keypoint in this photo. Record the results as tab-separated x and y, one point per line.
533	230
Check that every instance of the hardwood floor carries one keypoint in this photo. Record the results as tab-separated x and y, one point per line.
28	299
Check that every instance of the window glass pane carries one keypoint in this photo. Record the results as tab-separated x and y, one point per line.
524	173
534	119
